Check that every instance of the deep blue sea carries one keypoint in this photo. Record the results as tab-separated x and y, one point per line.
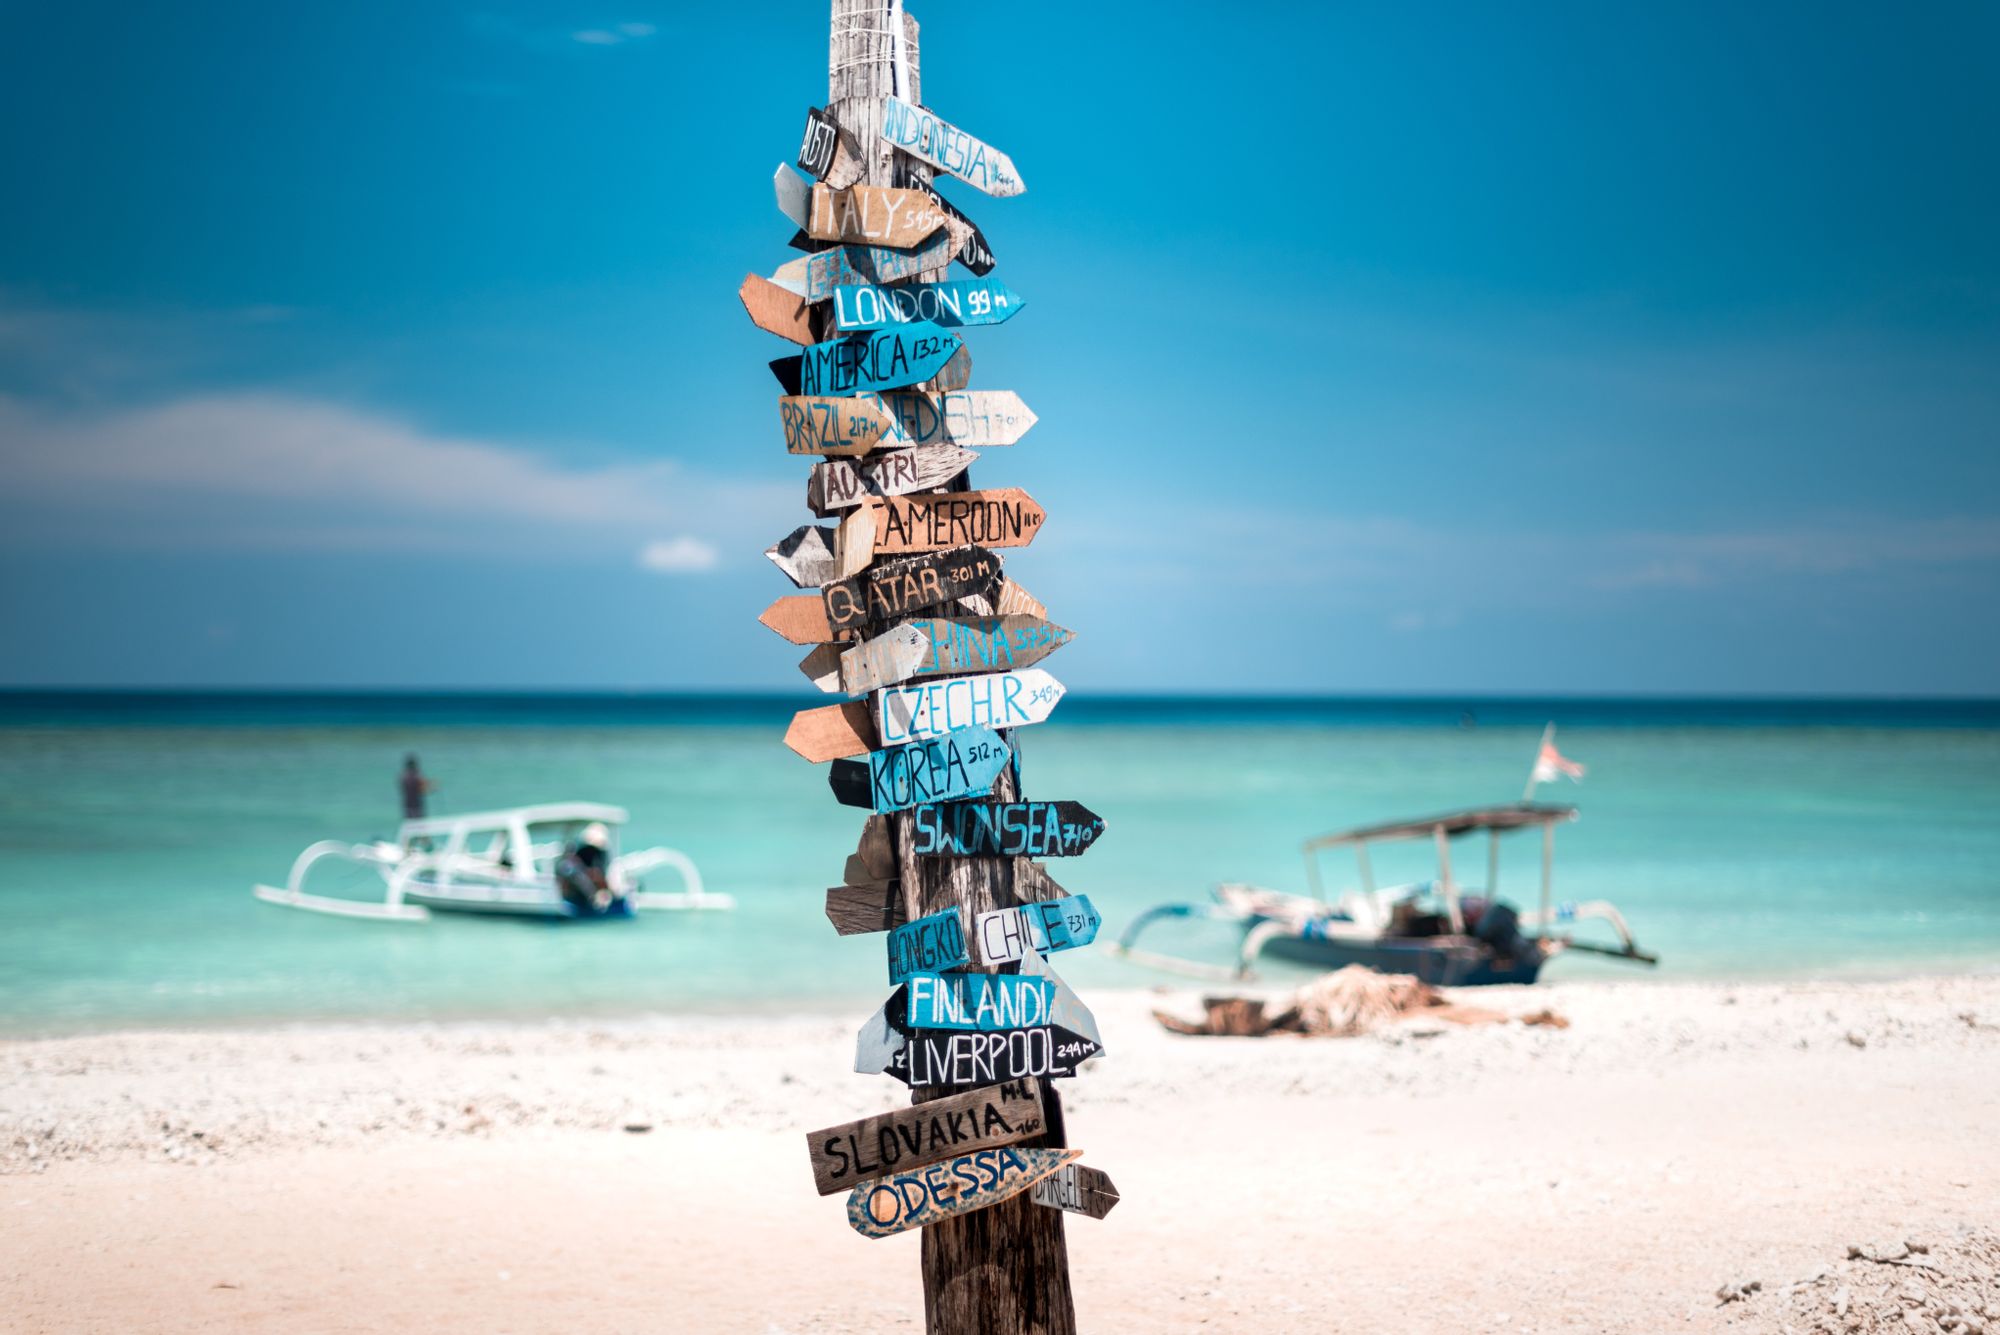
1742	838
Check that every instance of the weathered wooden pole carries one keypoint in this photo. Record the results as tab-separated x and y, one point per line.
1003	1270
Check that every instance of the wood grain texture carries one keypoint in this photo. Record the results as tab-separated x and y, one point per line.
857	909
841	484
775	310
833	731
928	1197
800	618
893	589
822	667
875	215
916	1137
1007	517
831	424
1080	1190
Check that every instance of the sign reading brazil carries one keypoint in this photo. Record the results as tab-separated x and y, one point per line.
832	424
1005	829
886	359
894	1204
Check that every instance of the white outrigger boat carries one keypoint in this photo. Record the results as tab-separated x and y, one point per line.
497	862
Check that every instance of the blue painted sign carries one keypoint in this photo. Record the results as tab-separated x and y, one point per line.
918	132
1006	829
977	1000
822	273
962	302
991	700
930	943
962	762
899	1202
1005	935
885	359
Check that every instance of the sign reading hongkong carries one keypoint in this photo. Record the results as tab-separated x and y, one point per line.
907	1139
954	765
918	132
902	1201
962	302
996	700
1005	829
930	943
886	359
1005	935
832	424
891	589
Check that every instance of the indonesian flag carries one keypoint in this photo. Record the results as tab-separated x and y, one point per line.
1551	765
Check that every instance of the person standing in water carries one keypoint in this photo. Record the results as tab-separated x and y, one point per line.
415	788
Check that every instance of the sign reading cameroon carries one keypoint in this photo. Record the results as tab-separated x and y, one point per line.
1008	517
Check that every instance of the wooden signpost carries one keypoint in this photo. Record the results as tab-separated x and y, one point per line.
977	1181
1080	1190
990	700
1005	829
918	132
1005	935
951	305
911	1138
913	605
840	484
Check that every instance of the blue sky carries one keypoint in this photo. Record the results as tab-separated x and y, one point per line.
1376	347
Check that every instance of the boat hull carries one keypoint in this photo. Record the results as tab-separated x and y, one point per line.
1438	961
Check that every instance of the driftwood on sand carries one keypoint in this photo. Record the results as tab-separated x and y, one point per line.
1341	1004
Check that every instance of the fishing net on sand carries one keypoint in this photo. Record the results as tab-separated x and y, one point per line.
1344	1003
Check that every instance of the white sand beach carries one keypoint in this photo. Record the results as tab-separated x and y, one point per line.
652	1174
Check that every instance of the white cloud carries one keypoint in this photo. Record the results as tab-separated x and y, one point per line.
679	556
614	36
637	29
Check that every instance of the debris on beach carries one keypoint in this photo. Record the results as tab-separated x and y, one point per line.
1342	1004
1949	1285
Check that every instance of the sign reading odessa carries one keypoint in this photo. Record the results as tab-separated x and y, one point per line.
996	700
964	302
1006	829
1005	935
901	1201
887	359
919	132
954	765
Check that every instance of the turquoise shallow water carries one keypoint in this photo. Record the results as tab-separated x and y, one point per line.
1742	839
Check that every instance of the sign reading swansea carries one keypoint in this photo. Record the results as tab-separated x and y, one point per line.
1006	829
887	359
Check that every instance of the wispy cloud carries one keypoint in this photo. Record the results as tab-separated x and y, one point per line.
614	36
679	556
548	38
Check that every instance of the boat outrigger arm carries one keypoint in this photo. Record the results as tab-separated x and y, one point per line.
1364	921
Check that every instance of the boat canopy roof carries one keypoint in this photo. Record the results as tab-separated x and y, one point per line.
548	813
1512	816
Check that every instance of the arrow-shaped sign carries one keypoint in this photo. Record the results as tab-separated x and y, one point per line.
1080	1190
794	193
839	484
805	555
935	646
884	359
974	418
974	253
902	1201
957	764
876	907
818	275
961	302
1006	829
906	1139
776	310
831	732
821	144
800	618
935	941
992	700
1007	517
956	1059
1005	935
918	132
833	424
891	589
875	215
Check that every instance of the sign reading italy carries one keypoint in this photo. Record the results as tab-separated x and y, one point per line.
956	764
919	132
887	359
962	302
993	700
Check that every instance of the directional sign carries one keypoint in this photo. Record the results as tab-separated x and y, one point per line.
805	555
794	194
902	1201
907	1139
820	274
1073	1187
936	646
1009	600
822	143
919	132
800	618
822	667
776	310
855	909
992	700
958	764
849	781
977	1000
832	424
974	418
975	254
1008	517
885	359
933	942
876	215
956	1059
832	732
787	369
962	302
840	483
1005	935
891	589
1006	829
